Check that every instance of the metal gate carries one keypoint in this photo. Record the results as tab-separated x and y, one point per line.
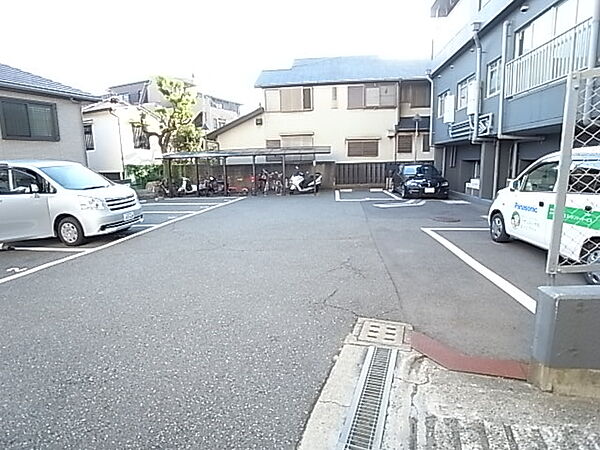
360	173
575	233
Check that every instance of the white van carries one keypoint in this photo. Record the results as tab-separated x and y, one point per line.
41	199
525	209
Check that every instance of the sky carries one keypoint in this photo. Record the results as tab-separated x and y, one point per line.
93	44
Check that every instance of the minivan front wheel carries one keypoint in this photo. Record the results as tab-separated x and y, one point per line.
497	229
70	232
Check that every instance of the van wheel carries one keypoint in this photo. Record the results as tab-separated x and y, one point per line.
592	256
70	232
497	229
404	194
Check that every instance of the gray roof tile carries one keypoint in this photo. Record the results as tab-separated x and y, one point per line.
13	78
343	69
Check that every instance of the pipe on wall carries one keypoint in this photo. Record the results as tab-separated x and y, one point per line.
478	58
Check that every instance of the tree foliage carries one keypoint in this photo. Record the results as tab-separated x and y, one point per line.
176	127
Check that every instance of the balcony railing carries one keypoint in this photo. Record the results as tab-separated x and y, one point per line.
549	62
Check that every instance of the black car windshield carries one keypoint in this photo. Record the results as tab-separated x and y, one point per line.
427	170
76	177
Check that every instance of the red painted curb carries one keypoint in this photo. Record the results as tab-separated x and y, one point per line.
454	360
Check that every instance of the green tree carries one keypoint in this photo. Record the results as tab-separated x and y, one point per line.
176	128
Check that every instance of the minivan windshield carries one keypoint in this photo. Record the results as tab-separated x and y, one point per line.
76	177
421	170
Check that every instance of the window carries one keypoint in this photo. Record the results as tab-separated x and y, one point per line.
493	78
375	95
363	148
462	92
405	143
28	120
540	179
288	99
441	106
88	137
4	186
140	138
24	181
452	157
426	143
417	94
273	143
334	98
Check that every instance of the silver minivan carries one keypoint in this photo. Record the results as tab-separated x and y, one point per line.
41	199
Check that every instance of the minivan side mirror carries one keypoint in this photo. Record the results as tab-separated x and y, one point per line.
511	184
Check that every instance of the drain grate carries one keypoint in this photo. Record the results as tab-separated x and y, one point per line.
385	333
363	429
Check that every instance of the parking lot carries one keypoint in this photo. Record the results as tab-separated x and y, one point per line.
35	255
143	338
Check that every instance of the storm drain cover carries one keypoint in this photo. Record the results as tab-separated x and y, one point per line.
446	219
363	428
385	333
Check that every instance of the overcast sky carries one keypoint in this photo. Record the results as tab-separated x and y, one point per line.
94	44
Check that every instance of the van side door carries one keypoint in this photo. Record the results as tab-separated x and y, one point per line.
535	193
23	206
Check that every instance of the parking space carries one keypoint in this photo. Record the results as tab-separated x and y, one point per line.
516	267
35	255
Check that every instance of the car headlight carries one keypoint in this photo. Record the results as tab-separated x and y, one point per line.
411	183
91	203
444	184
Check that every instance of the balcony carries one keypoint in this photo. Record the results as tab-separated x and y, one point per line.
549	62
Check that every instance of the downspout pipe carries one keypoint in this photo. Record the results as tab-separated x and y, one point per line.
595	35
479	54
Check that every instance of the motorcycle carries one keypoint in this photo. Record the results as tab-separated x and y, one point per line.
301	182
187	188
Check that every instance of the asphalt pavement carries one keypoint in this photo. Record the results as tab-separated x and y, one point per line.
218	329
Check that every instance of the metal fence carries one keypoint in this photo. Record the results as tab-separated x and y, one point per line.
549	62
360	173
575	234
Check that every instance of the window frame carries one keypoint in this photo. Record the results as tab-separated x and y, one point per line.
378	86
89	126
497	63
412	144
441	104
523	181
350	141
466	82
54	118
137	137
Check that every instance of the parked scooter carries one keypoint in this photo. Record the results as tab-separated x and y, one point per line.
301	182
188	188
215	186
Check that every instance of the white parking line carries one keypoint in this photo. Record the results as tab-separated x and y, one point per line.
338	198
391	194
345	190
172	212
110	244
183	204
50	249
520	296
376	190
399	205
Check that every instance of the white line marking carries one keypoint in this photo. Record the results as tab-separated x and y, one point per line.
345	190
184	204
175	212
110	244
50	249
337	195
16	269
143	225
367	199
376	190
398	205
520	296
394	196
456	202
484	216
234	199
457	229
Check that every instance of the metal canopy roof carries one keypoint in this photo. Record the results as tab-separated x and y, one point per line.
316	150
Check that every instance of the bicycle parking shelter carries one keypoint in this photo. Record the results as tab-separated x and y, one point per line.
253	153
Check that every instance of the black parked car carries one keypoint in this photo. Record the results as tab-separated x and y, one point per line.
419	180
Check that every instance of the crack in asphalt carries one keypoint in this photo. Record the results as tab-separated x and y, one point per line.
325	303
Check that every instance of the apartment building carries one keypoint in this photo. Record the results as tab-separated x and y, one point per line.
498	84
370	111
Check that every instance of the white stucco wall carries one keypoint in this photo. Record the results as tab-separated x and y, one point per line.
114	145
70	147
329	127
